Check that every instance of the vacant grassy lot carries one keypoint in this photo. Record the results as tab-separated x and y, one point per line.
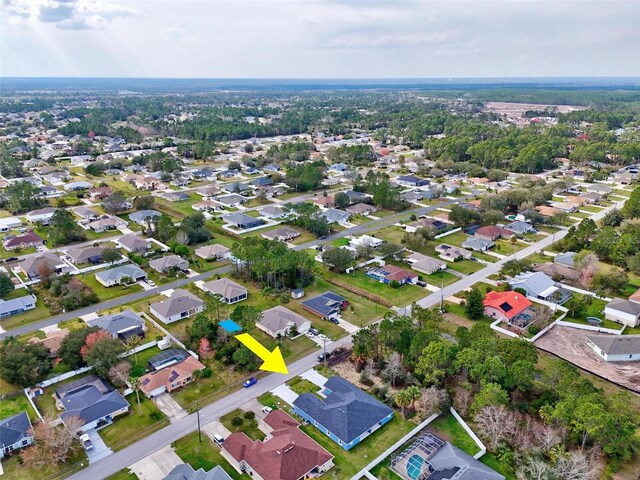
449	429
301	385
14	405
249	425
466	266
105	293
205	455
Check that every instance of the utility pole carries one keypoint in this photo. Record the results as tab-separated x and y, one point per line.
324	351
442	295
198	417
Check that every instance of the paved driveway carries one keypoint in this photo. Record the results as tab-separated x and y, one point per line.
314	377
100	449
157	465
170	407
285	393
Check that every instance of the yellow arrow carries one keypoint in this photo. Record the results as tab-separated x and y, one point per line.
273	361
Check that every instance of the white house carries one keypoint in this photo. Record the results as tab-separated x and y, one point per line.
279	321
623	311
180	304
616	348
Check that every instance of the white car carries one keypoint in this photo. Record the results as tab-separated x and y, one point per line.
87	444
266	409
322	336
150	282
309	334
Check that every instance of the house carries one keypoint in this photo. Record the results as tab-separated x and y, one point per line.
86	213
558	272
233	200
547	211
121	325
566	259
592	197
230	291
411	181
41	215
520	228
425	264
184	471
599	188
9	223
357	197
133	243
114	276
284	234
213	252
493	232
297	293
208	191
430	458
335	216
236	187
91	399
279	321
77	186
511	307
15	433
171	377
273	212
347	415
539	285
180	304
175	196
478	244
616	348
567	207
25	240
361	209
451	254
207	206
364	241
623	311
141	216
328	201
164	264
106	223
261	182
326	305
147	183
242	221
17	305
390	273
287	453
52	342
438	225
99	193
35	265
80	255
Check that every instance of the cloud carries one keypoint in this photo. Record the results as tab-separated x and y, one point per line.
67	14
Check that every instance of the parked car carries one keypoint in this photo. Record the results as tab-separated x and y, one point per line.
338	350
334	320
87	444
314	331
251	381
322	356
266	409
218	439
150	282
322	336
309	334
421	283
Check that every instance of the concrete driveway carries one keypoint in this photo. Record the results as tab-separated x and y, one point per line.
285	393
100	449
216	428
314	377
157	465
170	407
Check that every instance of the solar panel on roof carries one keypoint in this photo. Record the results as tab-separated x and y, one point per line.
173	376
506	307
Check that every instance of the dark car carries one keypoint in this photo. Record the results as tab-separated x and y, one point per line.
334	320
421	284
251	381
314	331
322	356
11	259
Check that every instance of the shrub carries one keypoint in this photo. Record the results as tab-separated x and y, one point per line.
237	421
155	416
394	284
521	291
533	329
249	415
206	372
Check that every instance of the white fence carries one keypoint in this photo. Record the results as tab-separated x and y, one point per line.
442	235
591	328
64	376
466	427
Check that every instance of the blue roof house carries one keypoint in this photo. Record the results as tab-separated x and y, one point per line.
347	415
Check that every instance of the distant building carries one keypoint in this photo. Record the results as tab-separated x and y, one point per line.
327	305
171	377
623	311
279	321
179	305
231	292
213	252
390	273
122	325
115	276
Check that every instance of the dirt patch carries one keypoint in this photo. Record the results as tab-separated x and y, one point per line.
571	345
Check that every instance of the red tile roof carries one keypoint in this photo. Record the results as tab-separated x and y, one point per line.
289	454
509	303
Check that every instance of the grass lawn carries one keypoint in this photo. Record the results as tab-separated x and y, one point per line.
403	295
301	385
465	266
505	247
456	239
449	429
340	242
249	425
17	252
202	389
105	293
39	313
590	208
391	234
124	474
439	278
348	463
132	427
596	309
492	462
205	455
382	471
14	405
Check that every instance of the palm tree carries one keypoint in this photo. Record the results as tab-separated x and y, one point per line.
135	385
403	399
132	343
414	392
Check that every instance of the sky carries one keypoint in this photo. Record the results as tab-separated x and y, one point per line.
319	38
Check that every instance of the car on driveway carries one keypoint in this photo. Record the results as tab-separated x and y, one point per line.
87	444
309	334
314	331
334	320
322	336
218	439
266	409
251	381
151	283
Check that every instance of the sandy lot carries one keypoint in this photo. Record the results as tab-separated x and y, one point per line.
518	109
570	344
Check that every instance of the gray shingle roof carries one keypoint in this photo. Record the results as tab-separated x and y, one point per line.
120	272
347	411
140	216
179	301
617	344
625	306
185	471
117	322
14	428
